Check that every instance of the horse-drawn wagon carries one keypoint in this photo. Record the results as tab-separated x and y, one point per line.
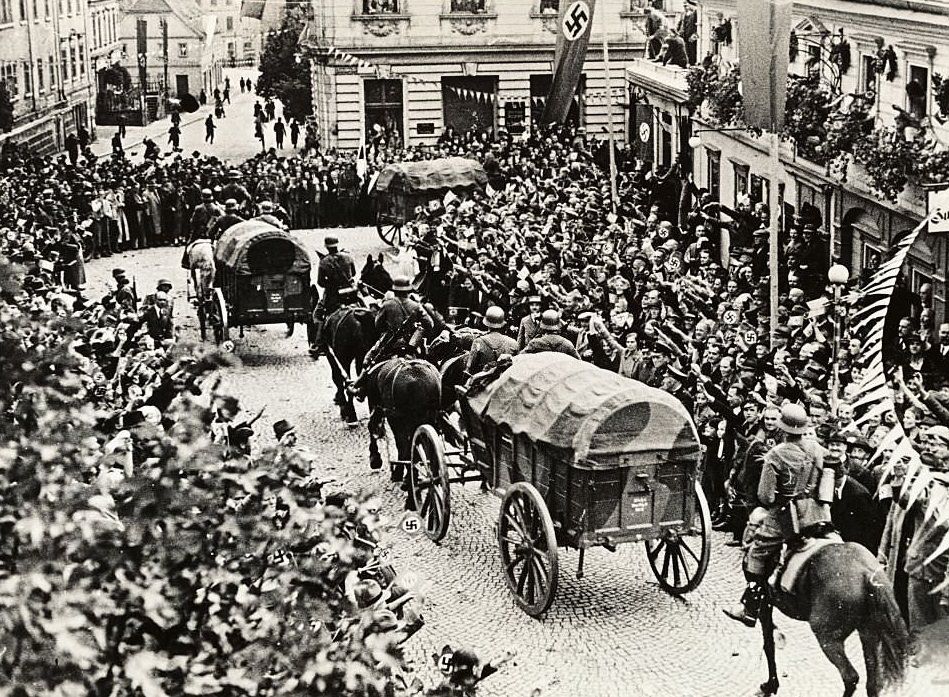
262	276
401	187
582	458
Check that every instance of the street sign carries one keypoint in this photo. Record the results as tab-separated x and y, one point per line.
939	202
576	20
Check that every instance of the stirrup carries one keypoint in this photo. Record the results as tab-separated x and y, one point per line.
742	617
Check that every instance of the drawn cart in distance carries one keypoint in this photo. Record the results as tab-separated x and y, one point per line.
581	458
262	276
401	187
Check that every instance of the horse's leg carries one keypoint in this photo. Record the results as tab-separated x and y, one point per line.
766	617
401	429
375	420
339	381
348	405
870	642
832	644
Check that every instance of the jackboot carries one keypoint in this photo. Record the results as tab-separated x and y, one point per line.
748	607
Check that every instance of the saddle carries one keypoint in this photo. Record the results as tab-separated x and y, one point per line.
796	556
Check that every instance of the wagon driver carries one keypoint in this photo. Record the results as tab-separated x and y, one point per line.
788	492
486	349
337	271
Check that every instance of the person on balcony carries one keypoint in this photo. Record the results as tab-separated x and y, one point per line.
688	28
673	51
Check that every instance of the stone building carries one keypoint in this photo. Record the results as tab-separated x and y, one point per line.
887	51
415	67
45	64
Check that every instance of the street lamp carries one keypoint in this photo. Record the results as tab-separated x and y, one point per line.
838	275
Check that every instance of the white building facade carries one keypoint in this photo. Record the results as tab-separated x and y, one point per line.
415	67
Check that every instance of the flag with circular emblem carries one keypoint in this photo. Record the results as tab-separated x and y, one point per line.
576	21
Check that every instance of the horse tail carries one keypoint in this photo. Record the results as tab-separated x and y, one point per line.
884	613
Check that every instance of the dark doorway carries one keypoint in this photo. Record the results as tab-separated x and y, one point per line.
181	85
384	111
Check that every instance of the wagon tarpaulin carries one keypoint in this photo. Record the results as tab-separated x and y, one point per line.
233	248
556	399
432	175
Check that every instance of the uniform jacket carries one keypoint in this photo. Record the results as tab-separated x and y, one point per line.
791	472
487	348
220	225
202	217
550	342
336	271
395	311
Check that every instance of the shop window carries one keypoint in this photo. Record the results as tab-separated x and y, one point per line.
917	91
183	50
229	22
384	111
469	102
6	12
27	79
550	6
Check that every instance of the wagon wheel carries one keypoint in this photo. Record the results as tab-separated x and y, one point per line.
217	318
679	560
528	548
428	482
390	231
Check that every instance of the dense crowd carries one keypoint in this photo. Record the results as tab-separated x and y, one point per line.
670	288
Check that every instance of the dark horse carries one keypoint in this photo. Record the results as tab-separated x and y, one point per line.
843	590
406	392
348	334
449	355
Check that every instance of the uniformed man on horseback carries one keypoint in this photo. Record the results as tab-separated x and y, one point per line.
486	349
204	214
336	272
395	311
788	493
222	223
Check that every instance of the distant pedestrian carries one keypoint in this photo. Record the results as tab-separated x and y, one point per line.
227	95
117	148
72	148
175	118
84	138
294	133
279	130
202	97
174	137
250	85
243	84
122	123
227	83
259	133
209	127
219	109
217	94
270	108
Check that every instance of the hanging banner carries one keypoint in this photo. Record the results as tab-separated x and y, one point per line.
576	25
763	56
939	207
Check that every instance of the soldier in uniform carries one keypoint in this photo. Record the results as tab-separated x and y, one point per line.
337	271
530	325
222	223
204	214
788	491
549	338
486	349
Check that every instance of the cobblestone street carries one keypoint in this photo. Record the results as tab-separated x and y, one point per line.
615	632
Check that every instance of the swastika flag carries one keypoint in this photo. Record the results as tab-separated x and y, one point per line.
576	22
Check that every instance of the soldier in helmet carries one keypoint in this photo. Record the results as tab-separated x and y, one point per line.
788	492
550	338
235	190
230	217
486	349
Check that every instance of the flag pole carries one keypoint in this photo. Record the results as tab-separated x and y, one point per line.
774	203
614	196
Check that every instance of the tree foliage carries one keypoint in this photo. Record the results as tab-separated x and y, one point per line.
284	69
151	565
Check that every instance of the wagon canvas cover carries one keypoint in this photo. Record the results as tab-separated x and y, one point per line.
234	245
556	399
431	175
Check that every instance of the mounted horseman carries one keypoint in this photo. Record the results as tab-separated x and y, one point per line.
337	271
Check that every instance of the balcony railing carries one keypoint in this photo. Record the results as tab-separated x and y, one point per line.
667	80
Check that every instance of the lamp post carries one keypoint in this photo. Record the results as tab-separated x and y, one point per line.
838	275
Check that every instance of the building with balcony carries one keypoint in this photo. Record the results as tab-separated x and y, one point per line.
105	53
415	67
45	65
171	47
884	54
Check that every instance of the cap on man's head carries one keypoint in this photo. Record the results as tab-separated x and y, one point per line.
164	283
401	284
206	193
330	242
230	204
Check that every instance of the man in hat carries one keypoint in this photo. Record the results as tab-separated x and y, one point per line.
235	190
859	452
222	223
530	324
204	213
852	511
337	270
787	491
486	349
550	338
688	29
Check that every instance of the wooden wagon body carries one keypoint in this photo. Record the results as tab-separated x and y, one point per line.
262	277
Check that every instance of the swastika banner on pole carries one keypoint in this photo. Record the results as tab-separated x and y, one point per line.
576	21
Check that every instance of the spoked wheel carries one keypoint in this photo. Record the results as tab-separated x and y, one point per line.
390	231
217	318
680	560
428	482
528	548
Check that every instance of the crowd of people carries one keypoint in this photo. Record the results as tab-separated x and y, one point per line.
669	287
